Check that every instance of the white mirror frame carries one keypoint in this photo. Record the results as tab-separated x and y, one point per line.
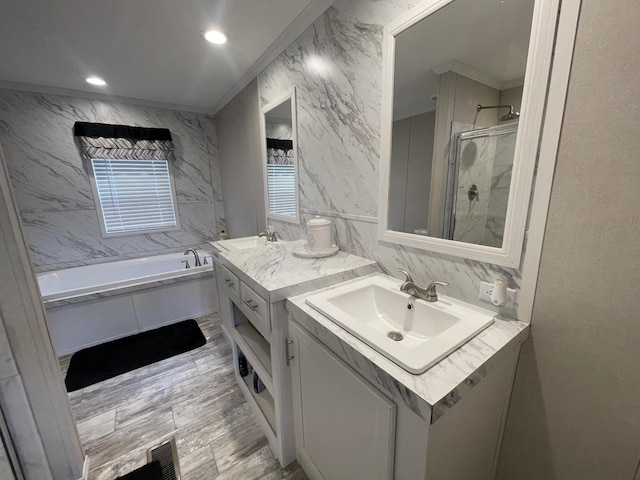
288	95
536	81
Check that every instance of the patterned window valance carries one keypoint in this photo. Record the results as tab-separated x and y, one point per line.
279	152
101	140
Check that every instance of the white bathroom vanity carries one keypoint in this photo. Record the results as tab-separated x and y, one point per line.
342	408
254	280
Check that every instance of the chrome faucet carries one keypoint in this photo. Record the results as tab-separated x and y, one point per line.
429	294
195	254
270	236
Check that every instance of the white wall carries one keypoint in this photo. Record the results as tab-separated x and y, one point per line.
238	129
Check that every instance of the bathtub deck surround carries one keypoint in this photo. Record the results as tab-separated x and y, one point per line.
253	285
455	410
192	397
89	282
93	304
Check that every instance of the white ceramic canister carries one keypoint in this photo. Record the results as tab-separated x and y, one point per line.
319	234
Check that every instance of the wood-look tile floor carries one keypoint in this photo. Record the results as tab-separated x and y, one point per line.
192	397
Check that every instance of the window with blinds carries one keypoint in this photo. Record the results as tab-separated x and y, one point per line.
134	196
282	188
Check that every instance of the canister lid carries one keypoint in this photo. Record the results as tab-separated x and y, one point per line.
318	221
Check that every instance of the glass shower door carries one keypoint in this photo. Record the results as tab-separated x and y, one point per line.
478	185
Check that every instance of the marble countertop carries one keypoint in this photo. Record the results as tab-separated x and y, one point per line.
274	269
442	385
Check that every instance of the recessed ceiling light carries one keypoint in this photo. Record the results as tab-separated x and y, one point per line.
96	81
214	36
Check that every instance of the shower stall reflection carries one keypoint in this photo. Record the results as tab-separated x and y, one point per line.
478	182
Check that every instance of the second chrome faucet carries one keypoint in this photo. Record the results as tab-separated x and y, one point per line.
428	294
195	254
270	236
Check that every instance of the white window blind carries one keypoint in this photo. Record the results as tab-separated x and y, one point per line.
134	195
282	188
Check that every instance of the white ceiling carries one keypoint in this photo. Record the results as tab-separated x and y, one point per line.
487	38
149	50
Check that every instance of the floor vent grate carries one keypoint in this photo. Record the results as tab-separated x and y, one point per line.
167	454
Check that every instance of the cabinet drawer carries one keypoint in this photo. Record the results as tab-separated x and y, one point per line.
231	281
256	308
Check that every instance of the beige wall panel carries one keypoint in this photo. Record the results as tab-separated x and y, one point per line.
575	412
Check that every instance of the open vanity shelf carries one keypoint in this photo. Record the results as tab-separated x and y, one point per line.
254	346
262	404
256	349
252	293
246	322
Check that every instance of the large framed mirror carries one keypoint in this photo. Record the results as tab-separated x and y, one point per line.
280	157
464	89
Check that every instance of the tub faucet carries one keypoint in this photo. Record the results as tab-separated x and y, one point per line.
270	236
195	254
429	294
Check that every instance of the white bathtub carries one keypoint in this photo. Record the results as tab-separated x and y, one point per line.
93	304
78	281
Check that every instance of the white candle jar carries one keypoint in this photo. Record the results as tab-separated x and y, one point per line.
319	234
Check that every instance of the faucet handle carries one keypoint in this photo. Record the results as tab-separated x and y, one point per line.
408	278
186	263
431	294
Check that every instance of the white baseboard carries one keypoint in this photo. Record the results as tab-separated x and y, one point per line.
85	468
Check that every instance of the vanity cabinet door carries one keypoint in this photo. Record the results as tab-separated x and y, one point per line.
345	428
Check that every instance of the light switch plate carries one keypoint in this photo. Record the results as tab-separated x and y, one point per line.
486	289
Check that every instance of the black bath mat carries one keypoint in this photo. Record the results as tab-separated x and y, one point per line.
151	471
95	364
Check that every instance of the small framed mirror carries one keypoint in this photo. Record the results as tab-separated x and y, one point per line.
464	90
280	158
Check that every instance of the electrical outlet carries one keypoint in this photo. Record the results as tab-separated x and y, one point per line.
486	289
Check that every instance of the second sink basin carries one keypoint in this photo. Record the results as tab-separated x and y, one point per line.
242	243
413	333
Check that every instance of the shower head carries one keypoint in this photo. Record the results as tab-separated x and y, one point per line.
509	116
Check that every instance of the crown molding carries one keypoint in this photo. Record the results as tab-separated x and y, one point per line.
68	92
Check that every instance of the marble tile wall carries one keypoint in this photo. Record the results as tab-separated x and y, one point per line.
336	67
52	188
499	196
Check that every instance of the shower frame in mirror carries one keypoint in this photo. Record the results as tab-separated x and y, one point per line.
537	75
289	95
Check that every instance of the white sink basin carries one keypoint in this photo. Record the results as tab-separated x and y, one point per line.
242	243
374	309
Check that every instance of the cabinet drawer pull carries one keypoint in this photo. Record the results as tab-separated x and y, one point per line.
250	304
229	282
286	350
